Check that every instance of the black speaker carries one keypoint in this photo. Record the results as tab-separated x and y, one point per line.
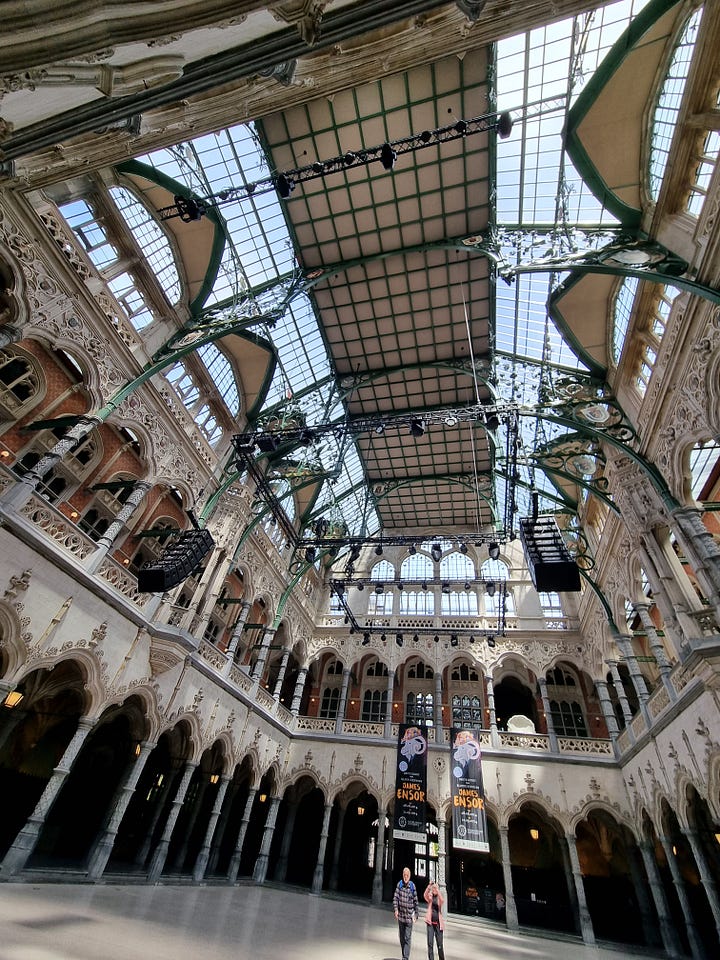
552	567
181	558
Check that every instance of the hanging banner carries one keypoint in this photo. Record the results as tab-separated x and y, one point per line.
409	822
469	821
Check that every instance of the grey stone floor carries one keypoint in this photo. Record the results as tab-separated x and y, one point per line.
109	922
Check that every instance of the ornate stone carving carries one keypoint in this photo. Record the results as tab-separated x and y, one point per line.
29	80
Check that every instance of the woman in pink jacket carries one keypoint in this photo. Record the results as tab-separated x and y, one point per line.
434	919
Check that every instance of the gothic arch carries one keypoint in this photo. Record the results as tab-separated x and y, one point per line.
14	307
522	801
14	649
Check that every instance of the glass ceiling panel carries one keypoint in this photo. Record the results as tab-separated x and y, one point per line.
538	191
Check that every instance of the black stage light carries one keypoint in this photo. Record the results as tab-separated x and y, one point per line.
177	563
463	548
310	554
366	639
387	156
494	551
504	125
491	642
378	550
453	640
490	589
416	428
379	588
285	186
399	639
412	550
436	552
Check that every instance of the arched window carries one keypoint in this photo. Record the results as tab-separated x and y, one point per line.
557	677
329	703
150	548
334	668
382	572
622	312
420	671
457	566
222	374
151	239
462	672
417	568
669	102
419	709
20	384
376	669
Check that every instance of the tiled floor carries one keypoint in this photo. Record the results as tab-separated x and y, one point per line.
83	922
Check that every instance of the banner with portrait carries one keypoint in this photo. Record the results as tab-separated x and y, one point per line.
409	822
469	821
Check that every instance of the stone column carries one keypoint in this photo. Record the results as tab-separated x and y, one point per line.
701	550
494	735
552	736
19	493
204	855
234	865
102	848
342	706
641	891
281	675
624	644
642	608
106	541
387	729
586	927
261	864
161	851
236	634
663	584
298	691
259	668
511	917
335	869
219	834
437	705
670	939
170	780
205	609
195	808
26	840
282	864
622	698
318	875
706	877
377	887
442	858
696	948
608	712
10	334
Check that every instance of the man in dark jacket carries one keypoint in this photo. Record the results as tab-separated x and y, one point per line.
405	904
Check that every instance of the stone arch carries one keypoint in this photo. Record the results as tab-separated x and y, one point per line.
15	309
189	722
712	389
13	650
92	385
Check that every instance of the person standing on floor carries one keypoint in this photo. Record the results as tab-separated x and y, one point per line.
434	919
405	904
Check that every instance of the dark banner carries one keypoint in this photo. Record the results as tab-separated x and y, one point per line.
469	822
411	784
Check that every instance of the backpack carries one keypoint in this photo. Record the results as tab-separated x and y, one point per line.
411	885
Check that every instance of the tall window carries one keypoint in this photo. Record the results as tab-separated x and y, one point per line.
420	603
567	718
467	711
151	239
419	708
19	383
329	703
374	707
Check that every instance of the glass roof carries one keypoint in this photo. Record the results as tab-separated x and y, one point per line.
540	203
